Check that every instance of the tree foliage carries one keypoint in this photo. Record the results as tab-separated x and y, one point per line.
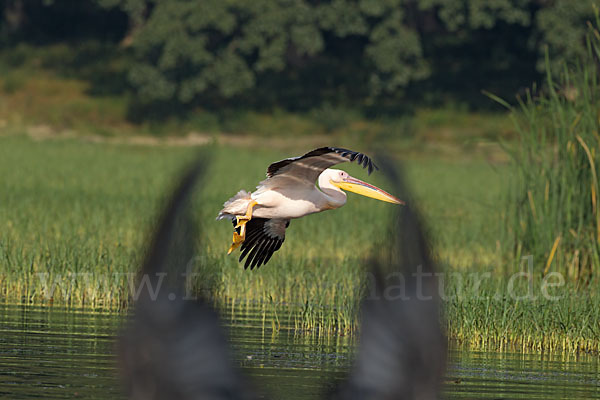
188	48
562	28
292	52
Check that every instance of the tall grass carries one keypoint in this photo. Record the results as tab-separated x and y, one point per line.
70	207
484	314
554	210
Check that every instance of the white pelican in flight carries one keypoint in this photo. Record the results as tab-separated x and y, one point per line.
260	218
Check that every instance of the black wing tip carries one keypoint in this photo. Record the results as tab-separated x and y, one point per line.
362	159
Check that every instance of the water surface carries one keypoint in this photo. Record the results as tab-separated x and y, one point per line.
52	353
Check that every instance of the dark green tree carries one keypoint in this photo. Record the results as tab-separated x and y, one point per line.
190	48
562	26
295	53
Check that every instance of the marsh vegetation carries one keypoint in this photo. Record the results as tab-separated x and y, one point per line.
75	212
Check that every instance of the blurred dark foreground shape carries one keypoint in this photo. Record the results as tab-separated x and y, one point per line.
174	348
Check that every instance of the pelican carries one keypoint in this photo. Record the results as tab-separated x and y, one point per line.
260	218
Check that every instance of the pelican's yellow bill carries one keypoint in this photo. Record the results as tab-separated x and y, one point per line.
366	189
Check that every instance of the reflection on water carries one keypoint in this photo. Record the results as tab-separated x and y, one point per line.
490	375
51	353
289	365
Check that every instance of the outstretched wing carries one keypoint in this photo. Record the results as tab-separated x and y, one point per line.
263	238
310	165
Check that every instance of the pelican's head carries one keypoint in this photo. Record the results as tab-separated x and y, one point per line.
343	180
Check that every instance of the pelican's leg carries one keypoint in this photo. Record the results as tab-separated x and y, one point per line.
242	220
238	238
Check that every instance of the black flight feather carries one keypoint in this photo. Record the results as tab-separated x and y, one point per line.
263	238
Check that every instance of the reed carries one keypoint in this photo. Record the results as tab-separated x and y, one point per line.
494	315
553	210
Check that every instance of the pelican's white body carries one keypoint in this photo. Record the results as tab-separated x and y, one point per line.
288	197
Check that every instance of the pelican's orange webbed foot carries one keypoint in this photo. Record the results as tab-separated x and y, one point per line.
237	241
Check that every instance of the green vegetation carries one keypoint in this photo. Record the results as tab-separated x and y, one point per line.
75	214
343	52
378	56
86	208
72	206
554	211
536	317
46	92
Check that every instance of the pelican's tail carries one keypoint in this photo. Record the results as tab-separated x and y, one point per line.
237	205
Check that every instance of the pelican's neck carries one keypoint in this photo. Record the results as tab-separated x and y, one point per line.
335	196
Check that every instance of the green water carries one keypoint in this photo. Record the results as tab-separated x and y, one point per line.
51	353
